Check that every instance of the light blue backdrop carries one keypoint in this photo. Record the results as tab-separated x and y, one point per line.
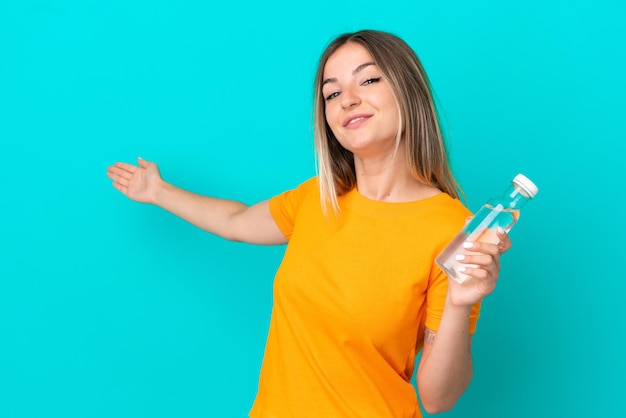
114	309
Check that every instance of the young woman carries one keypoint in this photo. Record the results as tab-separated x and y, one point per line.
358	294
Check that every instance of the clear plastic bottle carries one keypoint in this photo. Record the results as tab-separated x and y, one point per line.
500	212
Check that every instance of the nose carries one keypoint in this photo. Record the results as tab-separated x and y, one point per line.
349	98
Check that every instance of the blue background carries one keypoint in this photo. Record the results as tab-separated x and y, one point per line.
110	308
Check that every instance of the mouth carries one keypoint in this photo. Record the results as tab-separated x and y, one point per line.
355	120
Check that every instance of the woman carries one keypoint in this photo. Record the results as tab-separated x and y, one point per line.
357	295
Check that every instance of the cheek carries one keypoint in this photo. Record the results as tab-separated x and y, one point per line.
336	134
394	115
331	117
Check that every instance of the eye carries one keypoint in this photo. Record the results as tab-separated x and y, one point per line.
332	95
371	80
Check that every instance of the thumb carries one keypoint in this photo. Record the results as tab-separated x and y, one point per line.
142	163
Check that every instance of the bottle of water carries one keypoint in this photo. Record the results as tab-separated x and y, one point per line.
500	212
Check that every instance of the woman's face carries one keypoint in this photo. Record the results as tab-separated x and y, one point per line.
359	105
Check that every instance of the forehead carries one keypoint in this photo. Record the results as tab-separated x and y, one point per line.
348	57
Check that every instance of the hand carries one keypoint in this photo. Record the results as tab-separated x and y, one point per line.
139	183
482	264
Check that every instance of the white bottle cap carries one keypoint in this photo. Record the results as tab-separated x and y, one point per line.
529	189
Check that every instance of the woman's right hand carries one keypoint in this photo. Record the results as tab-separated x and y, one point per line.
228	219
139	183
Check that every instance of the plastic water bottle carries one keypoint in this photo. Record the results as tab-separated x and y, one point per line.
500	212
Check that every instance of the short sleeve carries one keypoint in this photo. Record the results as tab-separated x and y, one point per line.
284	207
436	298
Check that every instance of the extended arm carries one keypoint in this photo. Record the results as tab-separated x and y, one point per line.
229	219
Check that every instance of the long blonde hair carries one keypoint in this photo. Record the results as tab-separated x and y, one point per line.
426	153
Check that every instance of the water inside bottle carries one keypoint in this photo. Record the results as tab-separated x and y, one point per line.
483	227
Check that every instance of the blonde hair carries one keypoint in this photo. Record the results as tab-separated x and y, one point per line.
426	153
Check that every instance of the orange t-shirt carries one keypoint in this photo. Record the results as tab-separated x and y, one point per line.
351	299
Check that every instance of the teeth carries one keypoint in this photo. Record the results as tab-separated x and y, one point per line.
356	119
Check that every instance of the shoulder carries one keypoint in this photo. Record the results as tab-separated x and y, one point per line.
445	207
443	217
453	206
310	185
286	206
300	191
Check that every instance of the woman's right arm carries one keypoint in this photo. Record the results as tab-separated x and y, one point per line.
228	219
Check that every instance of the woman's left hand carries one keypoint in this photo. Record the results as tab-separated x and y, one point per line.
482	264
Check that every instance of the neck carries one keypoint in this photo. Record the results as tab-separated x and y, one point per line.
388	179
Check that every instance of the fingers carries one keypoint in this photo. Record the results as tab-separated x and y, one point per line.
121	174
504	243
484	279
482	252
482	261
123	189
122	168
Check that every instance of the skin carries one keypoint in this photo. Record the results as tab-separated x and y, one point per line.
362	113
354	88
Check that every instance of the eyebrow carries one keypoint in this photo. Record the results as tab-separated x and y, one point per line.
355	71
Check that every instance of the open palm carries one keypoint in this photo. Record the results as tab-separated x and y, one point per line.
138	182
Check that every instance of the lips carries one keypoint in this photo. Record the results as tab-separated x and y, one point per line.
354	121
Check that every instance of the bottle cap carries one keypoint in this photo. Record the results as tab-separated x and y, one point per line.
529	189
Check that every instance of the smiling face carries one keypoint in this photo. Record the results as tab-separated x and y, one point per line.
360	107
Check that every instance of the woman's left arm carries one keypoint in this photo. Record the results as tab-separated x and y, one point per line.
445	368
